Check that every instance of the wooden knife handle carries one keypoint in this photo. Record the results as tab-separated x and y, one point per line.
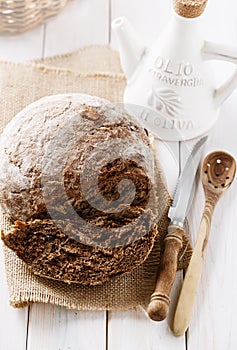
159	302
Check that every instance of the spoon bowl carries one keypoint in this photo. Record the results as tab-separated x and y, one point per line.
218	172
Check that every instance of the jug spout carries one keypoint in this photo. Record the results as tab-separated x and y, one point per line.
130	48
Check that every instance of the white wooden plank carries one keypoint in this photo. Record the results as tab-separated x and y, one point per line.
81	23
216	300
52	327
11	321
17	48
216	303
22	46
134	330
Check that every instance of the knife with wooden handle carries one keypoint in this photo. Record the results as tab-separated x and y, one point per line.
160	299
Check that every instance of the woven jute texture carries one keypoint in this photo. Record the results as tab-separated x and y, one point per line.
190	8
18	16
96	71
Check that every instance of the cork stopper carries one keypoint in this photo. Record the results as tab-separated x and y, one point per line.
189	8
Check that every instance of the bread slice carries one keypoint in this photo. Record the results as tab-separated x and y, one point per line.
50	253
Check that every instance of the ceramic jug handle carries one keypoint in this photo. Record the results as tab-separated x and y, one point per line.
213	51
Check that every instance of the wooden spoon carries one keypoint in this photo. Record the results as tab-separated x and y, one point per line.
218	171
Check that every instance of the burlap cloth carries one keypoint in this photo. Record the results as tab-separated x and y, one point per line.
96	71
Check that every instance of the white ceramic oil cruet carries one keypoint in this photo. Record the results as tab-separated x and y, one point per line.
172	79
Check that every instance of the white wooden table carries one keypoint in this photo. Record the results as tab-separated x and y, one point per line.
86	22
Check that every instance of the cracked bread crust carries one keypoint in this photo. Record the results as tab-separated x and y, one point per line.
24	142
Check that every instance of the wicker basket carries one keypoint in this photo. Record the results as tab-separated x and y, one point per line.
21	15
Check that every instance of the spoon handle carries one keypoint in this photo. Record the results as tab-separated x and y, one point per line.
193	274
159	302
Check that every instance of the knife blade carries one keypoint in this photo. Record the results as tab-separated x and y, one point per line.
183	191
160	300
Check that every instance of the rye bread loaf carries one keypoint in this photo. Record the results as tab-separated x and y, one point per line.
63	160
